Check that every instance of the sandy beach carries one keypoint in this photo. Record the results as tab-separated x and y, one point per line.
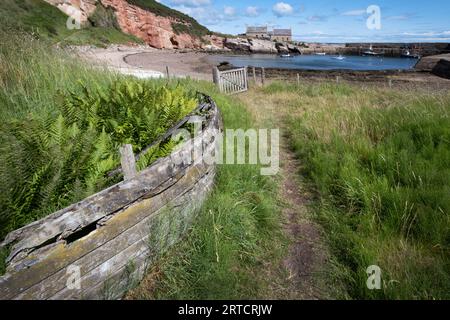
146	60
185	64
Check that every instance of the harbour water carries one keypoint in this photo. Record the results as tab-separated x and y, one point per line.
317	62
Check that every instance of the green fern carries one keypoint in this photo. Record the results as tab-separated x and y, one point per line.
50	161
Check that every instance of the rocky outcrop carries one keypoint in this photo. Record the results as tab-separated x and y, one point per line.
262	46
79	10
293	49
429	63
237	44
213	43
259	46
442	69
438	65
282	48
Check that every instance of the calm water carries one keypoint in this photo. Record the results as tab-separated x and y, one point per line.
315	62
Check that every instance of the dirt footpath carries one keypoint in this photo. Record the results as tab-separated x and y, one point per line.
300	274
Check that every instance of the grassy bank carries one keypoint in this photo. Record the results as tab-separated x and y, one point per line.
379	162
47	22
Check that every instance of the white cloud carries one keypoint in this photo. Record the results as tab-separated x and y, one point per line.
282	9
432	39
354	13
229	11
252	11
190	3
427	34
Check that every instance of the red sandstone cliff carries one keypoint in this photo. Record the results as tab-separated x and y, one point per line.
155	30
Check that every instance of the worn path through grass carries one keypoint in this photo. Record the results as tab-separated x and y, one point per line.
301	273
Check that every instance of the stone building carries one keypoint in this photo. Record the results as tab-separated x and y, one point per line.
281	35
257	32
274	35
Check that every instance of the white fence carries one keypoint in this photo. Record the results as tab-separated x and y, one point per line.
231	81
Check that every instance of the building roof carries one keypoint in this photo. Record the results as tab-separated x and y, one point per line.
282	32
256	29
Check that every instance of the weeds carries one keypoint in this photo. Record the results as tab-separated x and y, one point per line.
380	162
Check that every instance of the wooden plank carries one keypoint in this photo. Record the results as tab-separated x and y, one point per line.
229	71
107	257
246	79
128	162
62	256
233	82
216	77
239	81
141	248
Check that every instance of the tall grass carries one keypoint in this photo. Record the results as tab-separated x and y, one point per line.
33	72
380	163
236	239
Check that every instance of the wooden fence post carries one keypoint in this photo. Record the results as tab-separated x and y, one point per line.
337	79
245	84
263	76
215	72
390	83
298	80
128	161
167	73
254	74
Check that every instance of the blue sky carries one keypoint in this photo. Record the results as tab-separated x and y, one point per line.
326	20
